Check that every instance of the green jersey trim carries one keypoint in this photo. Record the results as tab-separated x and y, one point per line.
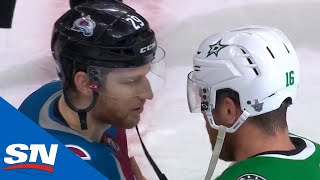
304	154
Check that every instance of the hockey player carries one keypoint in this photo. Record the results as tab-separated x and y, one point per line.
243	82
109	65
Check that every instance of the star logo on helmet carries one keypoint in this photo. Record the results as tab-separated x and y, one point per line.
257	106
85	25
215	48
251	177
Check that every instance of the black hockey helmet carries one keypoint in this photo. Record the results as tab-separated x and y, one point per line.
106	34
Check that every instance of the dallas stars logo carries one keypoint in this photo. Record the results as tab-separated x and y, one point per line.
215	48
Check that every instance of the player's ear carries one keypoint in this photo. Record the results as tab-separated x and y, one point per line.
82	82
230	111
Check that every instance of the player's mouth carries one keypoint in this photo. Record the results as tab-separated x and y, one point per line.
138	110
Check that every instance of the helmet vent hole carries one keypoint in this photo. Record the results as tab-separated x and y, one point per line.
250	62
270	52
197	68
272	95
286	48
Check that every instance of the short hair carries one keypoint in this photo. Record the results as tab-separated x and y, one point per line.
67	77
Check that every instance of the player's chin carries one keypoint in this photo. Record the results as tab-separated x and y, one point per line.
132	121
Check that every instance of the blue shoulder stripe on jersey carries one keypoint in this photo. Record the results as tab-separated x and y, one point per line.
32	104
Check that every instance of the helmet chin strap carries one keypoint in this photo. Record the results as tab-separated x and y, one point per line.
216	152
82	113
222	130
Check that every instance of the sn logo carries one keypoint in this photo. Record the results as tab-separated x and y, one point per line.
19	154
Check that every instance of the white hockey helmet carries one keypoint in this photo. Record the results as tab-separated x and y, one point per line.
257	62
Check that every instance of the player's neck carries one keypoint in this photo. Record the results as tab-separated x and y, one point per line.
95	128
251	141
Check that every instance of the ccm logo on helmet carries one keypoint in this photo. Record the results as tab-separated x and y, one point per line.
147	48
21	156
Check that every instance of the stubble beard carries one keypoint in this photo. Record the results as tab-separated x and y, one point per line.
131	121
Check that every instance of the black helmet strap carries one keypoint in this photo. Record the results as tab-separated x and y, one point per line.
82	113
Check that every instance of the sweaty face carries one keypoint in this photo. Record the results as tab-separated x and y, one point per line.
122	99
227	148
